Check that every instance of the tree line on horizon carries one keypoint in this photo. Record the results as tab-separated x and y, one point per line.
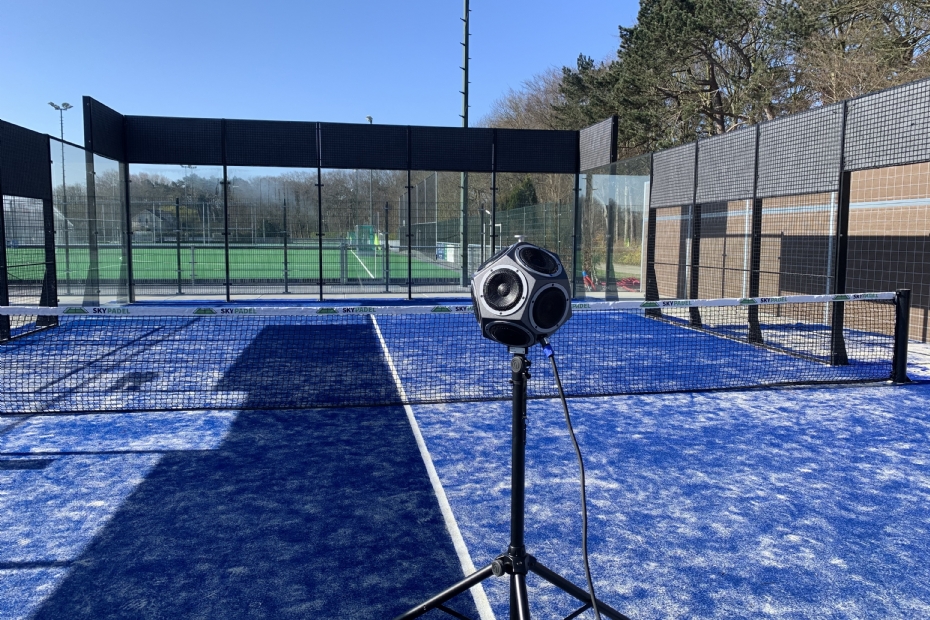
690	69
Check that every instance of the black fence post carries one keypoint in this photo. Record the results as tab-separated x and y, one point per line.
386	248
577	291
126	198
4	278
694	285
409	229
286	275
226	213
755	247
902	327
494	196
177	238
319	202
838	355
49	295
651	284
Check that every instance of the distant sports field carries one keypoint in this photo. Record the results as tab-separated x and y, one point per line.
207	263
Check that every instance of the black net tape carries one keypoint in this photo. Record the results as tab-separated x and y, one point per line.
132	359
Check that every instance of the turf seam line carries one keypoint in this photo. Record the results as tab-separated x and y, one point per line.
461	549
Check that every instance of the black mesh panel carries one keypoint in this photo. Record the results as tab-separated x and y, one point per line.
532	150
161	140
376	147
107	137
271	143
451	148
24	160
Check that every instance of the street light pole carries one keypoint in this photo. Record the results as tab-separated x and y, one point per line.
64	107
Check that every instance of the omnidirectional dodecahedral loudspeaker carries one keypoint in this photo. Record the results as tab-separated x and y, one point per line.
520	295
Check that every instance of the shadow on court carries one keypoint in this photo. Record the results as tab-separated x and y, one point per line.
324	513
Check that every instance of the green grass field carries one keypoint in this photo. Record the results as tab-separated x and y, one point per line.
252	263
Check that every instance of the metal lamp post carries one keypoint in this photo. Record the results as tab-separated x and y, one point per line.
64	107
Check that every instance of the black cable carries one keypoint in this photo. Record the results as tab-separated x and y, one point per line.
547	348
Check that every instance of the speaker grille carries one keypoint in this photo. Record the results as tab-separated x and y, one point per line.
503	290
511	334
549	308
538	260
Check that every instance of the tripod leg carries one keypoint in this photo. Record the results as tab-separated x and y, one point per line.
567	586
472	580
519	600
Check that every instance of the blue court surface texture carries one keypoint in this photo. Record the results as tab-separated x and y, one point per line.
775	503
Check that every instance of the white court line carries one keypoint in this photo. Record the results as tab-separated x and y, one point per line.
468	567
370	275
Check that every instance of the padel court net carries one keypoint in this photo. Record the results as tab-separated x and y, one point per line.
148	358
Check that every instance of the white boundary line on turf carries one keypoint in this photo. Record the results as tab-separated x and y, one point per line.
461	549
370	275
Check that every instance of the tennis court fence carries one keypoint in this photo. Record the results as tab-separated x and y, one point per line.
150	358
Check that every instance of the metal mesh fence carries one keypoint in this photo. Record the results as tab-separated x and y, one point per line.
832	200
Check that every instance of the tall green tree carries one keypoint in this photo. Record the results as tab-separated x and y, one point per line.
521	195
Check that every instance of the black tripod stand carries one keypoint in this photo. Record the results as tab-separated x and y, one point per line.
516	562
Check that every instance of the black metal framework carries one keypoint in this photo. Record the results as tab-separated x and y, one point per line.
824	202
801	230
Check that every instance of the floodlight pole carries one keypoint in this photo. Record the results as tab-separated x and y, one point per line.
464	185
64	192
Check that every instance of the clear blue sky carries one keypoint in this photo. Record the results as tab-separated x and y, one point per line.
312	60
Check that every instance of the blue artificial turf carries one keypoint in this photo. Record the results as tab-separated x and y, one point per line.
797	503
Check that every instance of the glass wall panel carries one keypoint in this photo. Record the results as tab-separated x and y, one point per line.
177	230
109	231
273	223
69	199
614	202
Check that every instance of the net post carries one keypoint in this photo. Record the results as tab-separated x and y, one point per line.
902	324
